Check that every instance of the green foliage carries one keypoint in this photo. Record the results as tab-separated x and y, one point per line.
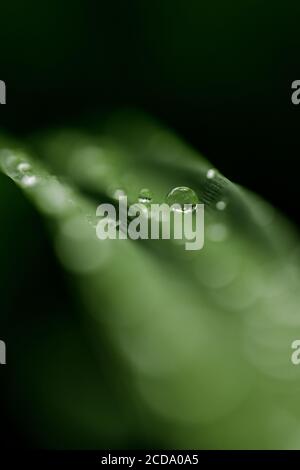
171	348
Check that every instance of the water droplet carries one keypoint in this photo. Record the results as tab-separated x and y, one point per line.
24	166
16	166
29	180
221	205
185	197
145	196
211	174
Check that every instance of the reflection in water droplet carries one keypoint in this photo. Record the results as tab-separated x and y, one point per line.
145	195
221	205
184	197
217	232
211	173
16	166
29	180
24	166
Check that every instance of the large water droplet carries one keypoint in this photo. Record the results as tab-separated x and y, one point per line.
184	197
145	196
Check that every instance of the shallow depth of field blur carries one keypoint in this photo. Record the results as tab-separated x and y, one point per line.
141	344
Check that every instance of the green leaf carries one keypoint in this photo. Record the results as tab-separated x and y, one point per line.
201	340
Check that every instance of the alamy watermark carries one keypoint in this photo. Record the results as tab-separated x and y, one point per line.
296	93
2	92
295	356
2	353
152	221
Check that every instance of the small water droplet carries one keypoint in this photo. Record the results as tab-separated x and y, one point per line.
221	205
211	173
24	166
29	180
145	195
183	196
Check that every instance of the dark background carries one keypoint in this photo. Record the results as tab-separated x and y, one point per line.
217	72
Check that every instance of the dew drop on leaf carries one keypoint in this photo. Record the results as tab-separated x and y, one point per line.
29	180
24	166
184	197
211	174
145	195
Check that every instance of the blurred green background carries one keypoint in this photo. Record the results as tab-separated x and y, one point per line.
219	75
